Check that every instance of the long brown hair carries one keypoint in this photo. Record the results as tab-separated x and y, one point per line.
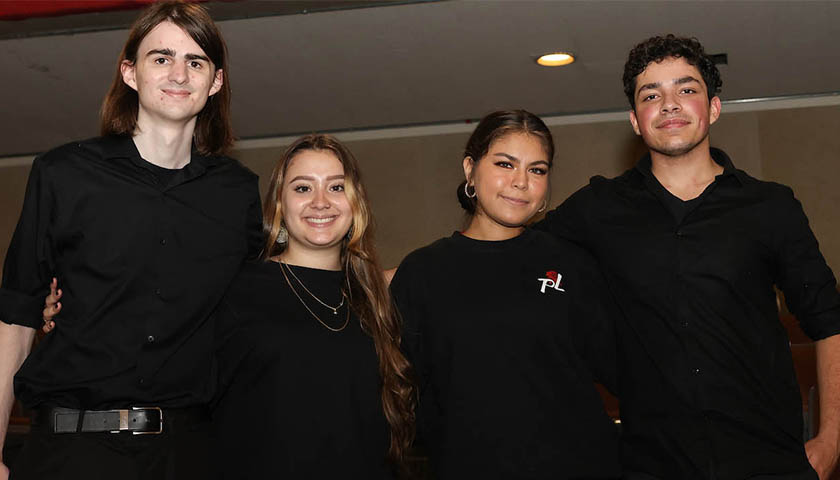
368	293
213	130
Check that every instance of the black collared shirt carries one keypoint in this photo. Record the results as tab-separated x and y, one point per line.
706	379
141	265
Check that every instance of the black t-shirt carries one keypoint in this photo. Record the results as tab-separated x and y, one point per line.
297	400
707	381
163	175
141	265
504	337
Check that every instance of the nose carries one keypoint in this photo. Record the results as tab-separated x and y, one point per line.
670	103
178	73
520	179
320	200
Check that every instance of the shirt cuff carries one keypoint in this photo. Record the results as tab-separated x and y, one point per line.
20	309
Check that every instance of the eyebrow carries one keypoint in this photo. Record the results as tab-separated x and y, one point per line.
312	179
506	155
171	53
512	158
679	81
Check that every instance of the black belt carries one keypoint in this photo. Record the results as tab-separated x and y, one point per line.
137	420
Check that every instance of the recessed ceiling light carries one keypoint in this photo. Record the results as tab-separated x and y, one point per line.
556	59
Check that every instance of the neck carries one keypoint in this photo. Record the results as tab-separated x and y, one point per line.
483	228
165	144
327	259
686	175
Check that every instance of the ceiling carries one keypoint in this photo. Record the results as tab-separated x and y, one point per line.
339	67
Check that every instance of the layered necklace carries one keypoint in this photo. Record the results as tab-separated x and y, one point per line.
283	268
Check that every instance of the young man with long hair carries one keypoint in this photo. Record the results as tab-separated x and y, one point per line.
145	227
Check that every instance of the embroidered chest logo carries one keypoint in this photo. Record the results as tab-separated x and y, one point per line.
553	280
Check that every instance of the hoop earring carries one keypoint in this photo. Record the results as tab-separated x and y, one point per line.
467	191
282	235
542	209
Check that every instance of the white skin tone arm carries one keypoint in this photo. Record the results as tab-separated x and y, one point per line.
823	449
15	343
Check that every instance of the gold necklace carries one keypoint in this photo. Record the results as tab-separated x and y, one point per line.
334	309
332	329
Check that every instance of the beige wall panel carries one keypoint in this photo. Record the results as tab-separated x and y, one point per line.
801	148
738	135
12	188
411	183
583	151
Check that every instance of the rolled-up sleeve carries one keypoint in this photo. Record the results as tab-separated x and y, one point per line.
806	280
27	269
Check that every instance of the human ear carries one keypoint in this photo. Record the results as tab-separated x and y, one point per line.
468	167
714	110
218	81
128	70
635	122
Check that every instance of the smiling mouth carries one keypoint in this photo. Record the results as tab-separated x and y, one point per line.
177	93
515	201
673	123
320	221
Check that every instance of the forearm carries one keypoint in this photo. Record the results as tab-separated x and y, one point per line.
828	380
15	343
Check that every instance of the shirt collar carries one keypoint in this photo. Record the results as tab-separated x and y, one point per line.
719	156
122	146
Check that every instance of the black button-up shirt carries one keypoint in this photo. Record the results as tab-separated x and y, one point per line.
706	379
141	263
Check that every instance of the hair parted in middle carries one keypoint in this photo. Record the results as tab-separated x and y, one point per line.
494	126
657	49
213	127
367	291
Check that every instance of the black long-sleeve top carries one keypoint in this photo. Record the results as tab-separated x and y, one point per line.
296	399
506	339
141	264
707	383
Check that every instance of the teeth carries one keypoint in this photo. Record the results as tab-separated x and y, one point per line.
320	220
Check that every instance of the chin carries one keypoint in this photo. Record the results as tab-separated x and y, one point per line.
514	222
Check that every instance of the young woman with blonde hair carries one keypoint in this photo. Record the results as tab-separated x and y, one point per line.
313	383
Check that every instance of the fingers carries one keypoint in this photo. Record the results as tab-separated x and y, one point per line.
51	310
52	306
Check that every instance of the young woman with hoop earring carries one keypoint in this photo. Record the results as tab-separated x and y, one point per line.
312	380
508	328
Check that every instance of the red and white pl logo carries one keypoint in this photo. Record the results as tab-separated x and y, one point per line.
553	280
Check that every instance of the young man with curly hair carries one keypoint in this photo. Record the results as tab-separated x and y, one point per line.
692	248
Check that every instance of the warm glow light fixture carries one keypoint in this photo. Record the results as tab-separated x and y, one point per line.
556	59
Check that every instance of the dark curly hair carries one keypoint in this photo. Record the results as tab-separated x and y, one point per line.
656	49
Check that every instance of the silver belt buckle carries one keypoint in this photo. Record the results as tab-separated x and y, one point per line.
124	421
160	417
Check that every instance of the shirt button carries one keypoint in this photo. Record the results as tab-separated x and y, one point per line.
142	381
151	339
684	324
695	371
163	241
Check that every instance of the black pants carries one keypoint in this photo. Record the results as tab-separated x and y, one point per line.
181	455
